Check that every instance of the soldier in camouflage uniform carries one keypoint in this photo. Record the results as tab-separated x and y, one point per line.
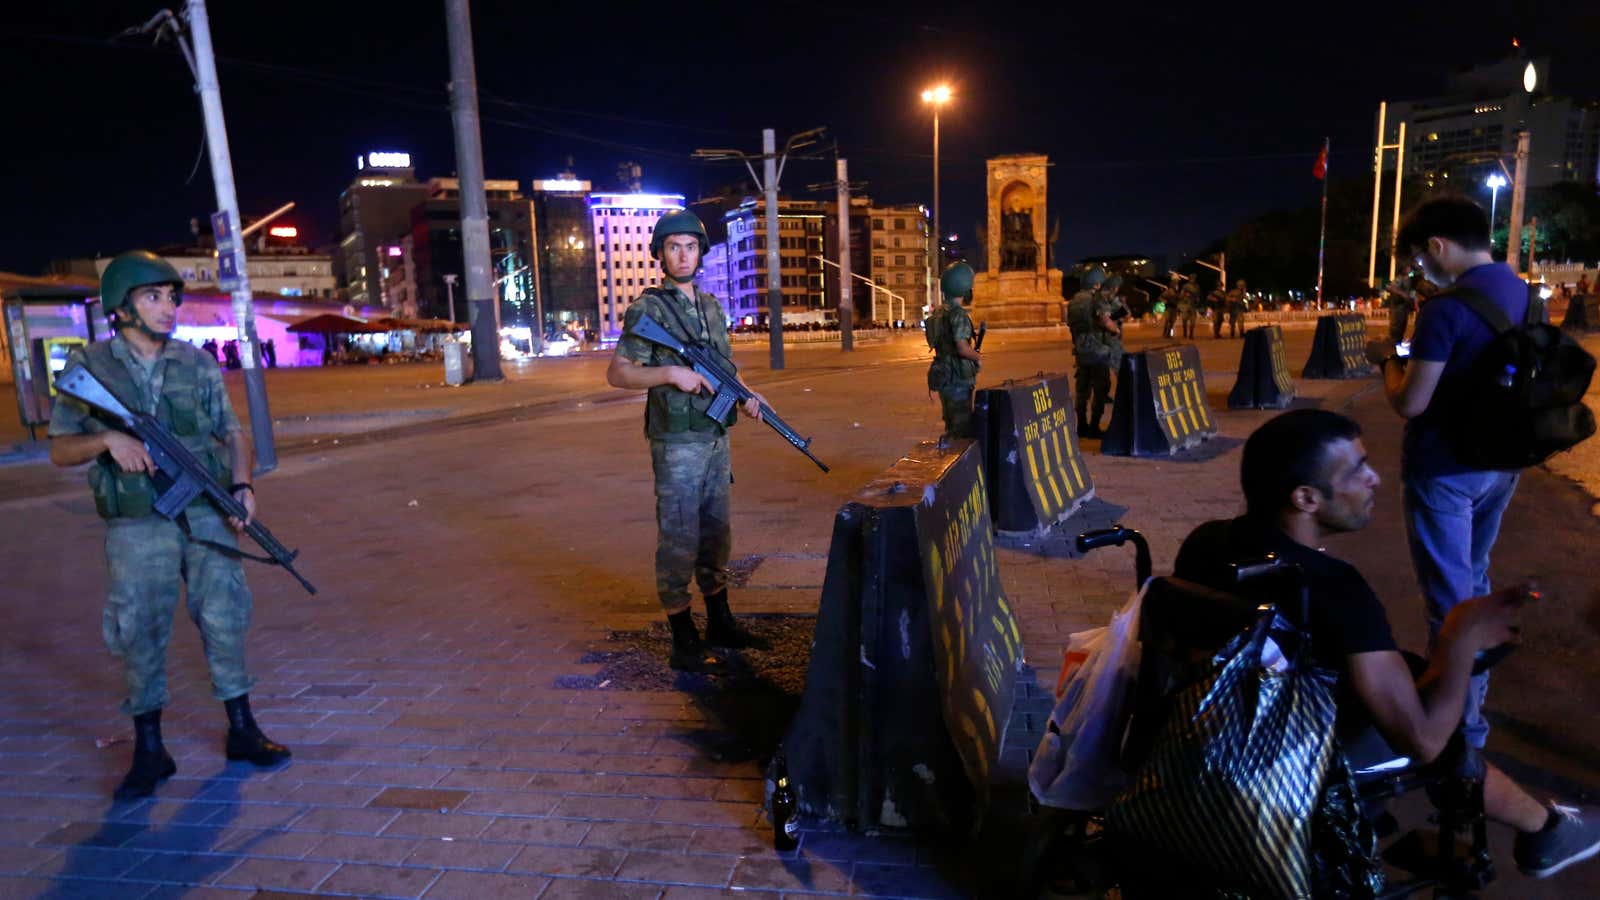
150	558
688	449
1169	300
1238	300
1093	316
1189	308
954	370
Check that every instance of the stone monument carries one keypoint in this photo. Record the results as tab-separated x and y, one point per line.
1017	288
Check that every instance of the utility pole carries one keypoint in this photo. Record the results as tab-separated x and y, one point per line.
1519	194
232	271
483	313
769	170
847	309
772	171
1322	236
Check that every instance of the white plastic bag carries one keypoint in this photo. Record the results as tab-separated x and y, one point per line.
1075	766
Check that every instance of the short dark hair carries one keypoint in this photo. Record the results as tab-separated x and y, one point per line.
1288	451
1453	217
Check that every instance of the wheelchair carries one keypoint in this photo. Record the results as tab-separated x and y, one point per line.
1181	626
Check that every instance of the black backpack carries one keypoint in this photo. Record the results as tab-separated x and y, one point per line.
1522	399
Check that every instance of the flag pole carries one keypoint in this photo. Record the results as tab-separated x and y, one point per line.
1322	238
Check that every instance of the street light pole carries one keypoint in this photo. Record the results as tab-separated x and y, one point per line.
937	96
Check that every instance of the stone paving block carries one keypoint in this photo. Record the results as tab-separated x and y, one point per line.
29	888
585	889
476	757
398	776
676	868
253	842
320	794
462	885
639	836
842	845
682	892
254	815
278	874
181	838
183	868
345	821
335	690
494	804
92	834
88	862
692	812
436	825
566	832
640	764
912	882
413	798
460	854
485	779
576	783
361	848
800	874
18	860
576	862
591	807
734	842
379	881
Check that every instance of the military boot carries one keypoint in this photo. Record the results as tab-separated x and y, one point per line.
723	630
689	653
151	761
245	740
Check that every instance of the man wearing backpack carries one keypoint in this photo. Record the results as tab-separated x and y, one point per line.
1459	459
954	370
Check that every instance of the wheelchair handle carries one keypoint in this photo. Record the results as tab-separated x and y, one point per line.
1116	536
1273	566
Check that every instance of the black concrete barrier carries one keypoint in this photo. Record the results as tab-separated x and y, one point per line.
1339	348
1031	460
1161	403
1583	313
916	654
1264	381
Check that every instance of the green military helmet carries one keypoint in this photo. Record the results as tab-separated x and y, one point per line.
1112	284
1094	278
679	221
956	280
136	268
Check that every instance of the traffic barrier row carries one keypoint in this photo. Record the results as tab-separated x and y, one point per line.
1339	348
915	657
1036	472
1264	381
1161	404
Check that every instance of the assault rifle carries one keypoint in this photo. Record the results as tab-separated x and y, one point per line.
181	478
977	339
718	371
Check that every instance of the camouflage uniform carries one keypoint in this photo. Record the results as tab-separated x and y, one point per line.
1092	352
1189	309
949	374
149	557
688	451
1169	297
1236	307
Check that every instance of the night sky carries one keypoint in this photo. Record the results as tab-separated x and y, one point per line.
1168	126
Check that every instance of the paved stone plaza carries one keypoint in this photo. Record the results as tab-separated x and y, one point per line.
473	544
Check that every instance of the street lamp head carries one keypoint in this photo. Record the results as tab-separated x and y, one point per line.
938	96
1495	181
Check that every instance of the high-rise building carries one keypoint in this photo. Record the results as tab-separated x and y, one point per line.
899	263
1454	140
437	250
800	240
374	213
861	292
564	266
623	265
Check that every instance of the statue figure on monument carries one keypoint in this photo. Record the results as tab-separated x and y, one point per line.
1018	251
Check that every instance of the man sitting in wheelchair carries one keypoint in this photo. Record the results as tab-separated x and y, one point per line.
1305	475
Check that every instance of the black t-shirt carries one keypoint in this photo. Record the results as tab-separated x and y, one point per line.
1346	616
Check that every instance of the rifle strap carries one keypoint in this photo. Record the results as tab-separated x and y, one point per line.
231	552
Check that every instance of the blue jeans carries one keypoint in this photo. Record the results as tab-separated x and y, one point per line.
1451	523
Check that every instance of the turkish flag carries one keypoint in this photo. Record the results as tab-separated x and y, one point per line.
1320	170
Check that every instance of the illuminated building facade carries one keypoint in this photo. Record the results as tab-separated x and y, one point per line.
800	248
564	267
623	267
374	213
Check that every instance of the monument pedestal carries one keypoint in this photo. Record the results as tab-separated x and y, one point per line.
1018	299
